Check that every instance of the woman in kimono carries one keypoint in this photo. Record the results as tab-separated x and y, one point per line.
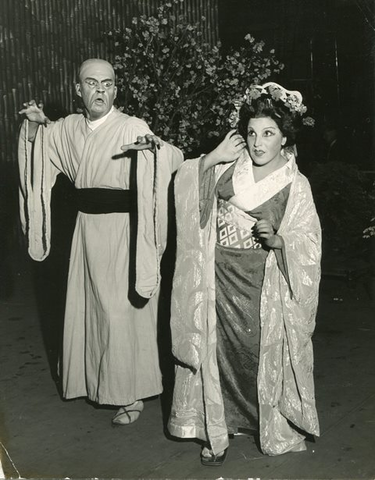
246	285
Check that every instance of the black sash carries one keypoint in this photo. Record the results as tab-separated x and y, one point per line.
104	200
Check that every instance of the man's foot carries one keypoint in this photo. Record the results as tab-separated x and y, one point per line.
209	459
128	414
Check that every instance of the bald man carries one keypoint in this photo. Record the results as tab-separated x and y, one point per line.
110	352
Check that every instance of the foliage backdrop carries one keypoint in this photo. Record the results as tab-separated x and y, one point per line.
183	86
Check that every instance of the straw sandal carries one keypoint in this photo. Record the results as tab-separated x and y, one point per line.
214	460
128	414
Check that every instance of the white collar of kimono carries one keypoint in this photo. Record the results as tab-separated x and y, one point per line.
93	124
249	194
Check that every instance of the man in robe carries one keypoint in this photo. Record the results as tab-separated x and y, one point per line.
110	352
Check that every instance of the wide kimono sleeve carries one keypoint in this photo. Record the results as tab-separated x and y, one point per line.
288	310
192	288
37	176
153	180
197	410
301	233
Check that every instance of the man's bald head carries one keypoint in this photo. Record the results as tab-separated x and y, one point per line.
93	64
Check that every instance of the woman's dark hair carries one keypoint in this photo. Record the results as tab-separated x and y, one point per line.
264	106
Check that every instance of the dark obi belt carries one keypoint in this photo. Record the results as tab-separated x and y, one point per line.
104	200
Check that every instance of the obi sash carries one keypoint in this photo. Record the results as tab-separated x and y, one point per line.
104	200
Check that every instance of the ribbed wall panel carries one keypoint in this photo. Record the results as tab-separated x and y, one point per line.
42	43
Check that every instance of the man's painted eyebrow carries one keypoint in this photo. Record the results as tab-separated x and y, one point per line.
95	80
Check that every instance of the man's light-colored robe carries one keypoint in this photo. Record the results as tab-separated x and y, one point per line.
110	348
287	319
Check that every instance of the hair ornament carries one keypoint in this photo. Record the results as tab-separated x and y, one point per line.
268	103
274	93
292	99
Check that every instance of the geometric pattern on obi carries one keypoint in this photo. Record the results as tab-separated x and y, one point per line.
230	235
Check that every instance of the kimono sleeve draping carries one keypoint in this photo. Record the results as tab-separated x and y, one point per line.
153	177
289	395
37	177
197	410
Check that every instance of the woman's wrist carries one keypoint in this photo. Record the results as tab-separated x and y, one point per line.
209	161
275	241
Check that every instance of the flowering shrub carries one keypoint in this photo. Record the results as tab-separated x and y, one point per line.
183	87
369	232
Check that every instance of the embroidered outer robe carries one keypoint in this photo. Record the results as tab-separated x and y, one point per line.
287	320
110	348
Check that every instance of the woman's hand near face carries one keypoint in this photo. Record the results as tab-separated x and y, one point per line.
264	232
227	151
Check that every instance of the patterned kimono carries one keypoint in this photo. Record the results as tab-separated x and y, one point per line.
110	347
229	293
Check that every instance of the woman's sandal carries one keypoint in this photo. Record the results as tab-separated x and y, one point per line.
214	460
128	414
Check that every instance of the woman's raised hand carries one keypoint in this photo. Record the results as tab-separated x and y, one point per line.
34	112
227	151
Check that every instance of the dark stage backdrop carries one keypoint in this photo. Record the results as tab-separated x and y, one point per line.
328	48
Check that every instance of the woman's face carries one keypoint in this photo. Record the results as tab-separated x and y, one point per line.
264	140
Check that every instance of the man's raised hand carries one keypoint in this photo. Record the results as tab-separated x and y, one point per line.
34	112
148	142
